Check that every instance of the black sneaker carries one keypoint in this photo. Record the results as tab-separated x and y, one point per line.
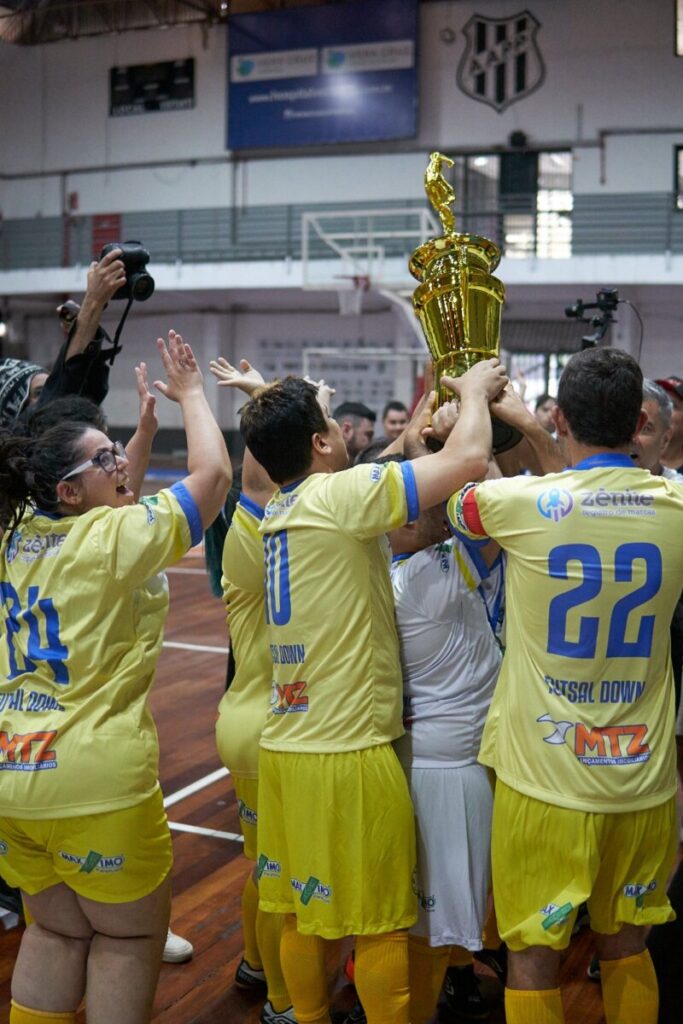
463	996
593	969
250	978
497	960
356	1015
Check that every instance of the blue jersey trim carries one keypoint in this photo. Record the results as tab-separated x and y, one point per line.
251	506
401	558
473	548
189	507
606	460
412	498
48	515
470	543
290	487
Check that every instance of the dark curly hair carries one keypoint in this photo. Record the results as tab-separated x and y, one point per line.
31	468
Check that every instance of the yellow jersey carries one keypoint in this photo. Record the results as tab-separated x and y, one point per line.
84	607
243	709
583	713
336	674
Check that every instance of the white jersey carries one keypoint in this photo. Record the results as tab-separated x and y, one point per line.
449	653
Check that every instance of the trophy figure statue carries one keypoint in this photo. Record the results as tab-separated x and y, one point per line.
459	302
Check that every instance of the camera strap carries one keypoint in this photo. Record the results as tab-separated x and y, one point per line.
110	354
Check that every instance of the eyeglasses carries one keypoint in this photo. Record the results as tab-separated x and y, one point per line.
105	459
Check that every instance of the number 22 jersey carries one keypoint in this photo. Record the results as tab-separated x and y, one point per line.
583	713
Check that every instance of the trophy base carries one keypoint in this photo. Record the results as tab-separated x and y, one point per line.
504	437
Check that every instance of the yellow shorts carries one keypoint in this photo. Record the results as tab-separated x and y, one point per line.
246	791
336	841
547	860
115	857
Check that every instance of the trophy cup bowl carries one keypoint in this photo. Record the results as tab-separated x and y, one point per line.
459	301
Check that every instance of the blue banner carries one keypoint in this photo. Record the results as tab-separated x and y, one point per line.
314	75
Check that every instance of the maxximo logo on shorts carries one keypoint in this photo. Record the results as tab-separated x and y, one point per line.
313	889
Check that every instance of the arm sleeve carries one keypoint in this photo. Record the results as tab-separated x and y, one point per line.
140	540
464	516
368	500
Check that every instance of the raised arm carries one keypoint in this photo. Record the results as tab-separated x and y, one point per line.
546	456
466	451
139	448
208	462
256	484
104	279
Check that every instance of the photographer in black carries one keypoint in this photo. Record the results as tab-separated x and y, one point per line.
81	365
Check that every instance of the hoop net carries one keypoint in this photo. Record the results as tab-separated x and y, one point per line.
351	299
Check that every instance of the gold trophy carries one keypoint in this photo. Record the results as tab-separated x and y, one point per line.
459	302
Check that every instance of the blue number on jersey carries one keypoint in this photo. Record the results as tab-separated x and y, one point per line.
278	600
589	558
53	653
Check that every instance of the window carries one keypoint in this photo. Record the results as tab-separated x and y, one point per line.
521	201
678	28
678	177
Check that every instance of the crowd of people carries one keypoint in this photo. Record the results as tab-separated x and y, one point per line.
450	718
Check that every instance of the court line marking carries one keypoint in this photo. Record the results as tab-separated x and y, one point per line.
206	648
194	787
189	572
197	830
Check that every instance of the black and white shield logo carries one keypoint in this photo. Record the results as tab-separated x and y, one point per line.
502	62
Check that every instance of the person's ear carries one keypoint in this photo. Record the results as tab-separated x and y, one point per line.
666	437
642	420
69	494
560	422
320	444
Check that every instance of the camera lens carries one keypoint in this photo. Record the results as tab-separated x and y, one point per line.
141	286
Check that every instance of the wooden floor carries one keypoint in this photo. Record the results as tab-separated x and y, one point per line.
210	870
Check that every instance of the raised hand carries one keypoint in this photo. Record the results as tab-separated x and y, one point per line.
183	374
246	379
147	419
487	377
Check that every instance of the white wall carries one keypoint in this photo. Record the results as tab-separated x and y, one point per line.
609	67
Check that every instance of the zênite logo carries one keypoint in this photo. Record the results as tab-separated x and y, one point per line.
555	504
27	753
289	698
600	745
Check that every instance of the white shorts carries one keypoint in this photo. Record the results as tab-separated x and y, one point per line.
453	808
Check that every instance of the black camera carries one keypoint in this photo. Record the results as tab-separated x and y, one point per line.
607	300
139	283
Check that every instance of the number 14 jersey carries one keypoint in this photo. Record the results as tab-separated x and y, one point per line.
583	713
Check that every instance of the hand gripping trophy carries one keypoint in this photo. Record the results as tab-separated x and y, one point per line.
459	302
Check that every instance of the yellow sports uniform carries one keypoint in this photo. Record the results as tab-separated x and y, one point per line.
84	607
242	711
582	717
335	707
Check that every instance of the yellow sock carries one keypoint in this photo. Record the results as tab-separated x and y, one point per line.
382	977
629	990
303	965
538	1007
427	969
249	908
460	957
268	935
22	1015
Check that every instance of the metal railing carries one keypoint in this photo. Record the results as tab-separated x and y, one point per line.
612	224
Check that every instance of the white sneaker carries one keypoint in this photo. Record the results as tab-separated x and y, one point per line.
177	950
271	1016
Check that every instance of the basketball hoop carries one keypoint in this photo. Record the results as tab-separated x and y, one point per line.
351	299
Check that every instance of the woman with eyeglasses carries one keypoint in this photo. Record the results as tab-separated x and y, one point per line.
83	832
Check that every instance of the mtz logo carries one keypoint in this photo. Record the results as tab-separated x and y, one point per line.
601	745
288	698
27	753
